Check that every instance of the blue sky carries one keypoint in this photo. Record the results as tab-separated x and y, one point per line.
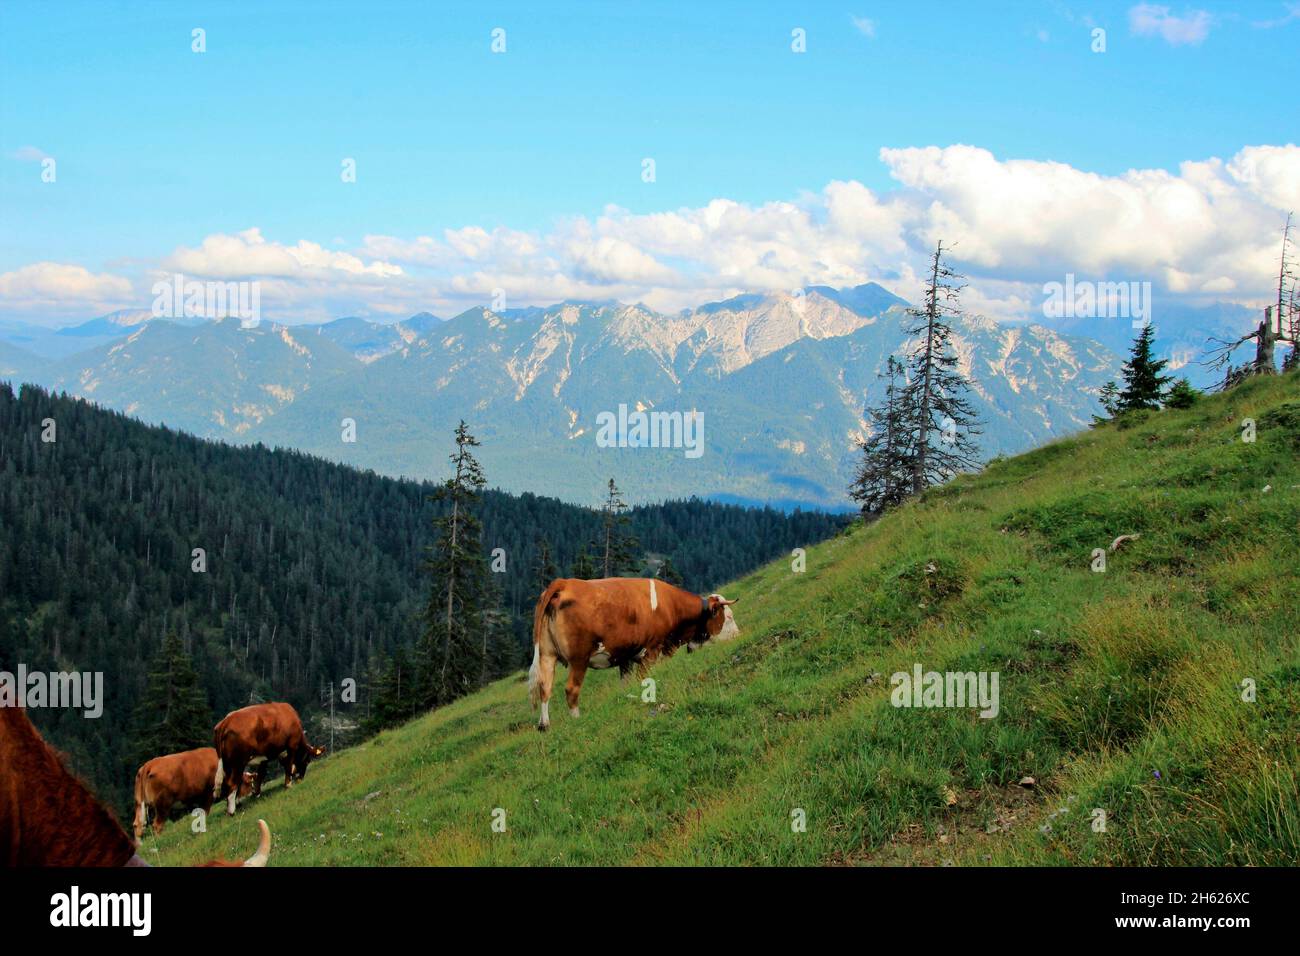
158	148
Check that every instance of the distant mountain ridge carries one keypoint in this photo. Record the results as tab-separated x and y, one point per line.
781	380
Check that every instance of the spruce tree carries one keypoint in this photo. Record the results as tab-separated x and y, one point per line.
1109	399
583	567
174	714
1144	386
941	422
544	570
668	572
884	478
394	692
618	545
454	624
1182	395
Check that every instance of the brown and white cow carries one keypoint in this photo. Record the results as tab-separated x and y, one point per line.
615	622
49	818
273	731
183	780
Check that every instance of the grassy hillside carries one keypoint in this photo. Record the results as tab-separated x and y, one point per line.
1119	691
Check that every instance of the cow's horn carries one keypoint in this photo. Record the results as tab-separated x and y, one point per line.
732	601
263	847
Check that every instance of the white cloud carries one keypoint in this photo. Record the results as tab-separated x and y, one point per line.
1207	230
62	290
1211	226
1149	19
249	255
864	26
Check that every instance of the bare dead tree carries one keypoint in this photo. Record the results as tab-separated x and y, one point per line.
1280	324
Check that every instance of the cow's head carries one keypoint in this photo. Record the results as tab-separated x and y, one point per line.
305	756
246	784
719	622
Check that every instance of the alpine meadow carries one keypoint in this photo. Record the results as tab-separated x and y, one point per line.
1123	691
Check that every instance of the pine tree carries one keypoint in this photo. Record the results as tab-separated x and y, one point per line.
1182	395
669	573
1109	399
544	570
583	567
174	714
884	479
617	542
1144	386
393	689
452	648
941	422
502	654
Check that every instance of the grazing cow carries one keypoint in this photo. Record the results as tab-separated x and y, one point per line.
273	731
49	818
184	780
616	622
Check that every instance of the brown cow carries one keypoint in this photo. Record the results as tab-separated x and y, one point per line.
185	780
49	818
273	731
620	622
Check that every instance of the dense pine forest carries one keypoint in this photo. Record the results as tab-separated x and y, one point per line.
309	573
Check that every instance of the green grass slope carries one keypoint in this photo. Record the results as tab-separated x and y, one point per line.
1120	691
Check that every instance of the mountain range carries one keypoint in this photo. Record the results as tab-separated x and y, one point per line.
780	379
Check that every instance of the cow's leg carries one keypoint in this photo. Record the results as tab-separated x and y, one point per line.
234	777
141	819
287	763
577	671
545	681
161	812
262	771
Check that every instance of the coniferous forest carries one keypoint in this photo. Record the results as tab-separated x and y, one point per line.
279	575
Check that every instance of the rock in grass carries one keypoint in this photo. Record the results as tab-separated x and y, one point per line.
1123	539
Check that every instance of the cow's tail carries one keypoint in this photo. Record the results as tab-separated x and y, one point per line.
543	617
141	815
534	692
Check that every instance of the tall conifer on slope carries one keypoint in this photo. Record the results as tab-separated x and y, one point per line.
454	621
544	569
884	478
618	545
174	714
583	567
940	419
1144	385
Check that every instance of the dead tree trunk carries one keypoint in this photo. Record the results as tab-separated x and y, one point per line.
1265	341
